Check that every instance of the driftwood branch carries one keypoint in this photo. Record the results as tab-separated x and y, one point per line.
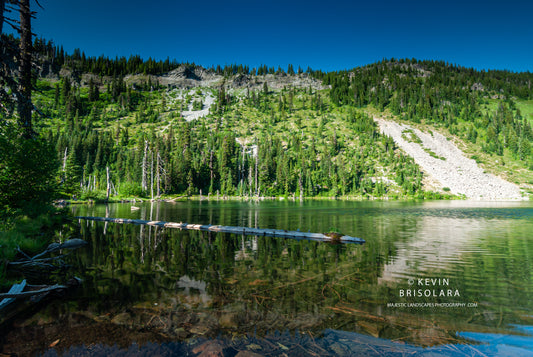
15	289
37	261
24	294
34	292
73	243
236	230
22	252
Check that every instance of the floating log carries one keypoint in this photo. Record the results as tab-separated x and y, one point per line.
235	230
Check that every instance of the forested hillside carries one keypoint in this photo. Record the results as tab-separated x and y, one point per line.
162	127
481	107
490	112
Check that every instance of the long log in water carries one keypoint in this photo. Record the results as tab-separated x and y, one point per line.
236	230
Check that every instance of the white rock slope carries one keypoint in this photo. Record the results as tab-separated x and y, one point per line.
190	114
460	174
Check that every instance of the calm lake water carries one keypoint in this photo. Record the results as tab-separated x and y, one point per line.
434	274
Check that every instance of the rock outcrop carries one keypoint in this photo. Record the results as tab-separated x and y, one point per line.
440	159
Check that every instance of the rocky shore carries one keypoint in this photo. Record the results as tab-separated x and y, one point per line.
447	166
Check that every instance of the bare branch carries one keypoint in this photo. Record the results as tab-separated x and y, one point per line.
10	19
32	293
13	24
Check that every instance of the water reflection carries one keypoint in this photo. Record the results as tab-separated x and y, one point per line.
194	288
435	244
190	283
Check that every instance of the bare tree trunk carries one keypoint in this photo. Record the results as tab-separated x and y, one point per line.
301	186
108	183
256	183
65	159
2	8
211	172
144	184
250	181
241	168
152	176
158	176
24	100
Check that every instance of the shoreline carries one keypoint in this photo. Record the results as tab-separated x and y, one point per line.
171	199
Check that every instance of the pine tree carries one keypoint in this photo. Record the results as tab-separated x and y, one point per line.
71	174
94	92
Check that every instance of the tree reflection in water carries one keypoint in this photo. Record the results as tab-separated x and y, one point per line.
183	284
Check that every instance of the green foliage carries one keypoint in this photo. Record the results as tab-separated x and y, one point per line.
29	232
489	109
197	105
131	189
93	195
330	153
27	171
71	174
274	142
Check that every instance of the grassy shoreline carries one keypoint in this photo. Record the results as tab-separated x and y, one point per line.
27	233
179	198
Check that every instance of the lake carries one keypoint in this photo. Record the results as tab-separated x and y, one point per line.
446	277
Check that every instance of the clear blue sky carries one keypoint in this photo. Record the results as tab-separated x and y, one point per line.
327	35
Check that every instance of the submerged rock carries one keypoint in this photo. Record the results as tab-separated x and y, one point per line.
122	319
228	320
210	349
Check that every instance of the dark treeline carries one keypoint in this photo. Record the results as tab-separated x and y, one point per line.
405	81
102	65
134	64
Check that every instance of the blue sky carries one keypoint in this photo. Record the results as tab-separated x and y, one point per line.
327	35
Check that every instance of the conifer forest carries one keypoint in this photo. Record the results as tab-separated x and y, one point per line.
265	131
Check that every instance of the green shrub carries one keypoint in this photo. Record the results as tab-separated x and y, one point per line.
130	189
476	159
26	232
95	195
27	171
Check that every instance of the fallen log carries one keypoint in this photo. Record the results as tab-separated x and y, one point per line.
45	263
23	297
73	243
23	294
15	289
334	238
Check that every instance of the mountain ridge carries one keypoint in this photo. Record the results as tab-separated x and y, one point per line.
292	133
